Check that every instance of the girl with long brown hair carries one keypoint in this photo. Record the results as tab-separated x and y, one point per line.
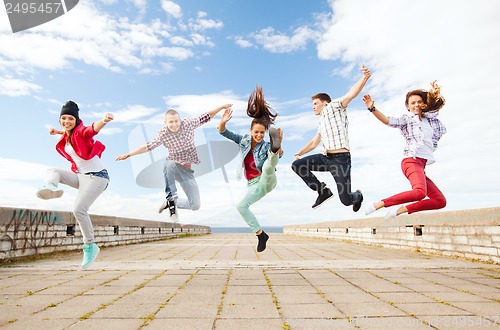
422	131
258	157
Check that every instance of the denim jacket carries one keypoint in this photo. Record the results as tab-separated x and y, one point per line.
260	152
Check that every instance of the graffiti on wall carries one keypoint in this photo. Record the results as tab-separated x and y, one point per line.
29	230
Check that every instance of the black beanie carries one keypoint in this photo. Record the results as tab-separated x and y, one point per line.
70	108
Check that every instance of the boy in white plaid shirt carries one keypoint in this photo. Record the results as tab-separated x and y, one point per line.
336	159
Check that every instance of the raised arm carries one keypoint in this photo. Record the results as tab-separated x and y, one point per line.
370	104
53	131
98	125
356	88
311	145
215	111
226	116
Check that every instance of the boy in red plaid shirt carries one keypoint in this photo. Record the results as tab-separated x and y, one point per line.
178	137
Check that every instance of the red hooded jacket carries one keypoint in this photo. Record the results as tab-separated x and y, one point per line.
82	140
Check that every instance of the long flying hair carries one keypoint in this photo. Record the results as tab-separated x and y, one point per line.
259	109
435	101
432	99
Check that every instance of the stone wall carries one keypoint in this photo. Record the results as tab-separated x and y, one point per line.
470	234
28	232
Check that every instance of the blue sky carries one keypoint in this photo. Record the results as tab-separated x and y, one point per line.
137	58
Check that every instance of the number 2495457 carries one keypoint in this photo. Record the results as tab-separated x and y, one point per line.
33	7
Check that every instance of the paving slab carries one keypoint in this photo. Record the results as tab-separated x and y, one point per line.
219	281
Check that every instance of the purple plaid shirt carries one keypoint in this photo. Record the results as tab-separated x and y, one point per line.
180	145
410	129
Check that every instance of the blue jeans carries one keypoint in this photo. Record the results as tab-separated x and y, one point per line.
185	176
338	164
257	188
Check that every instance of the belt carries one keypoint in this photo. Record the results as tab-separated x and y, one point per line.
337	154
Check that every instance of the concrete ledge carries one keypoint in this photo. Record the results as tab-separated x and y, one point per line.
470	234
28	232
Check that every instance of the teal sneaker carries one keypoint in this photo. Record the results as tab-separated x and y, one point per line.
90	252
49	191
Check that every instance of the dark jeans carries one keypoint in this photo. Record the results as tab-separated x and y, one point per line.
338	164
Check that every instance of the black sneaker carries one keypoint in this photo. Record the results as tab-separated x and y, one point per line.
173	210
163	206
263	237
325	195
356	206
274	136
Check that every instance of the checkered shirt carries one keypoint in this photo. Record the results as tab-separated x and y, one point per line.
334	126
412	132
180	145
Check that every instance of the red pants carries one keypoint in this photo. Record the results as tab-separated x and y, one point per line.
422	186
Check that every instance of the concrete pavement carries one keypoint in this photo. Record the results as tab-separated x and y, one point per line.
220	282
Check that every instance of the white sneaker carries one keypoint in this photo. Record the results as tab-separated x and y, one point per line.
370	208
173	210
49	191
174	218
393	212
163	206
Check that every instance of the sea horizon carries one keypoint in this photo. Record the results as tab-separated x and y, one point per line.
228	230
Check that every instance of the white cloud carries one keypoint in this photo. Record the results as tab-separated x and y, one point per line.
89	35
141	5
17	170
132	113
167	67
176	53
194	105
202	40
302	124
201	23
181	41
410	51
84	35
17	87
277	42
171	8
241	42
110	131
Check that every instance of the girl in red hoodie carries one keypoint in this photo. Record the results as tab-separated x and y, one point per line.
87	174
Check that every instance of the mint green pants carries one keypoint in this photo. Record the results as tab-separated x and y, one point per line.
257	188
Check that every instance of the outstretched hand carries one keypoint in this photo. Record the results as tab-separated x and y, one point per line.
108	117
53	131
123	157
227	115
367	99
